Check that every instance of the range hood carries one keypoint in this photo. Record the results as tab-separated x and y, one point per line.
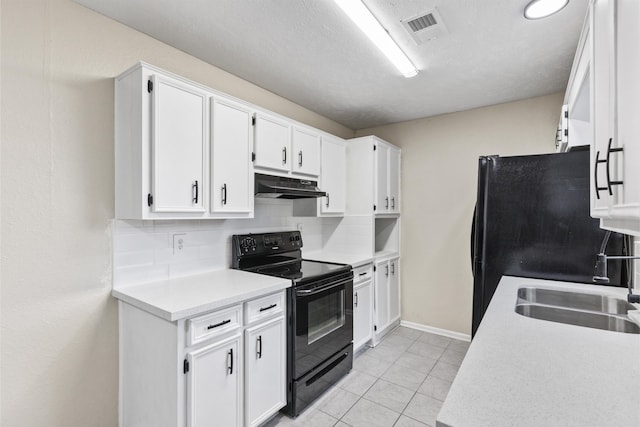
278	187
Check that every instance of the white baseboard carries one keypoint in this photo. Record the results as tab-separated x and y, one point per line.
437	331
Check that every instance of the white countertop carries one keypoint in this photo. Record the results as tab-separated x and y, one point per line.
353	260
182	297
530	372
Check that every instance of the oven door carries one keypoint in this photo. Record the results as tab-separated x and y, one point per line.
322	322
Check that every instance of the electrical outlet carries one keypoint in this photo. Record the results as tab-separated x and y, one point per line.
179	243
299	226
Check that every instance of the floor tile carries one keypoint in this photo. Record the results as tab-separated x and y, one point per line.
389	395
341	424
418	363
459	346
338	402
371	365
397	341
402	331
405	421
452	356
368	414
405	377
423	408
435	387
426	349
433	339
387	352
444	371
357	382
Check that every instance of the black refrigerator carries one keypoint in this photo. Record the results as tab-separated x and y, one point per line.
532	220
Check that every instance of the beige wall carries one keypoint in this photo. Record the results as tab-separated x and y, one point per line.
59	323
439	173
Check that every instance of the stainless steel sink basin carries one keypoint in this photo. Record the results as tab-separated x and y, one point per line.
577	308
590	319
575	300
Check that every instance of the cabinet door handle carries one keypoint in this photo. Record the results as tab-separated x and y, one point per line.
224	194
230	366
259	347
356	300
386	270
328	200
224	322
609	151
595	174
393	203
194	191
268	308
300	158
284	155
386	202
393	268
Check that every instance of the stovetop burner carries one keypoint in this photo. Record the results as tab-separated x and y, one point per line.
302	269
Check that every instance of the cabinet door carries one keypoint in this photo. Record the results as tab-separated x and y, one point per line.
265	362
394	289
381	296
362	314
334	175
624	164
178	135
382	178
272	143
214	385
603	59
231	172
306	152
394	180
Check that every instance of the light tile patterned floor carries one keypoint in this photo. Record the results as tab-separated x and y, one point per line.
402	382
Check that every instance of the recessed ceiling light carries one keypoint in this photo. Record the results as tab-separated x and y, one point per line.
364	19
537	9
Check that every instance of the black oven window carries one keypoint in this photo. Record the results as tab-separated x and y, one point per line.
326	314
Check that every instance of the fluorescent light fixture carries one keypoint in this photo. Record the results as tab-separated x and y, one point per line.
364	19
537	9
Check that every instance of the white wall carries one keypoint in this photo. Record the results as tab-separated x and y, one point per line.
59	322
439	182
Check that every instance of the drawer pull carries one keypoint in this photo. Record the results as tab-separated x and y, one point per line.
362	274
268	308
224	322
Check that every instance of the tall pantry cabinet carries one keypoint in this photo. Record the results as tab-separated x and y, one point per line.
373	176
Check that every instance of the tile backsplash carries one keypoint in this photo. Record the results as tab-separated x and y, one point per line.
143	251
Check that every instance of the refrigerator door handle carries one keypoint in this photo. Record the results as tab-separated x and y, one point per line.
473	239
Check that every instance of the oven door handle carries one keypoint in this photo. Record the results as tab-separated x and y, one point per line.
309	292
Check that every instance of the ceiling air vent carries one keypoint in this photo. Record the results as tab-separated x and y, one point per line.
425	26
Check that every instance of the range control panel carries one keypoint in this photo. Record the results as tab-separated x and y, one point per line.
265	244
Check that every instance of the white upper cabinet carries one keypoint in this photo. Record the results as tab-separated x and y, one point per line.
272	143
231	145
179	142
394	179
306	151
334	175
615	67
382	178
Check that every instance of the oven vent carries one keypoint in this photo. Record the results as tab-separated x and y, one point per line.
425	26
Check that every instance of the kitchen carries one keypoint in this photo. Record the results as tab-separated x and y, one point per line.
59	62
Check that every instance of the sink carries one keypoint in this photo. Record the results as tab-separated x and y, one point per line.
575	300
589	319
576	308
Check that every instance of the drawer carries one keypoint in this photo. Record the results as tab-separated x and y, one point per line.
362	273
264	307
214	324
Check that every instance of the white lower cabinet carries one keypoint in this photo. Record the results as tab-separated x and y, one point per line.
362	314
387	296
221	368
265	370
214	384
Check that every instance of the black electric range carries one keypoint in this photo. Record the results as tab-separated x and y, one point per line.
319	309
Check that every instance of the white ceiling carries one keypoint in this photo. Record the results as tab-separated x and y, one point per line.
309	52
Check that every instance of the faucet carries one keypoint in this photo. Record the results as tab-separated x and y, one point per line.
600	273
